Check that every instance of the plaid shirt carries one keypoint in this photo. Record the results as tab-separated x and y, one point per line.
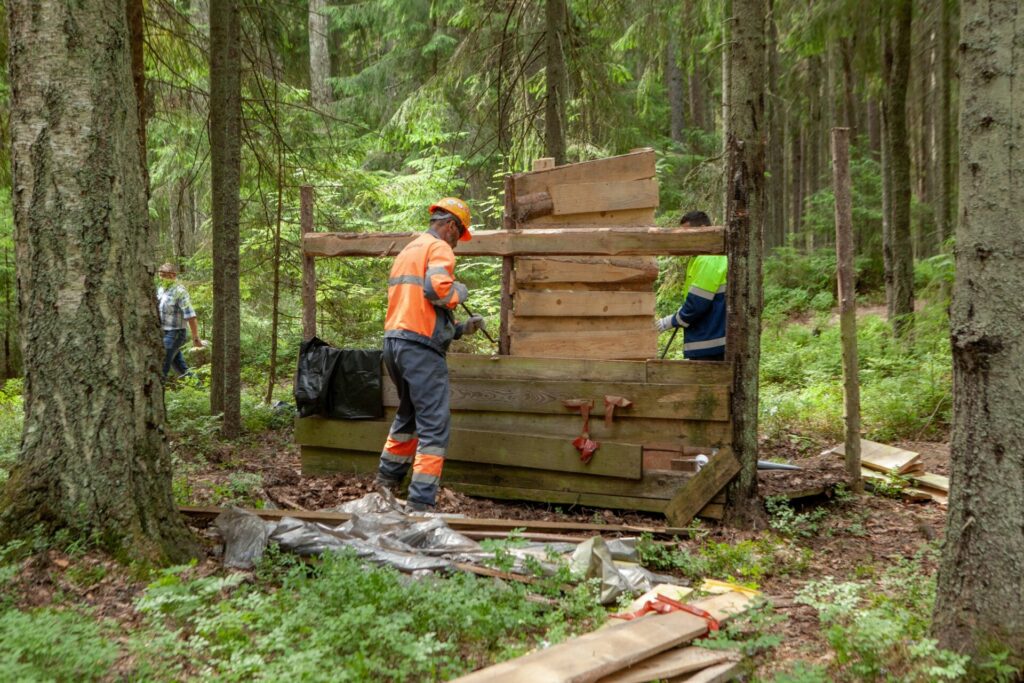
175	307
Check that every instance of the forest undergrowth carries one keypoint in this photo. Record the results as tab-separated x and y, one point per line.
338	619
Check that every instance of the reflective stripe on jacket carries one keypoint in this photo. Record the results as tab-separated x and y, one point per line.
422	291
703	312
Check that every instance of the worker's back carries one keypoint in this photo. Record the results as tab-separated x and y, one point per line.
705	307
420	292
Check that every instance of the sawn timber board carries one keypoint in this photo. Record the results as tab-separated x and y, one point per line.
612	269
611	344
632	166
586	304
487	447
608	195
694	402
625	326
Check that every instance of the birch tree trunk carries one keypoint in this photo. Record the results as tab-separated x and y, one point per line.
554	106
744	244
319	55
980	605
225	169
93	457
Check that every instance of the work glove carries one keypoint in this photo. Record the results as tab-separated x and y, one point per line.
665	323
472	324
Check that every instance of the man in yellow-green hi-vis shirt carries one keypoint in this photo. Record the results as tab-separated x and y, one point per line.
702	315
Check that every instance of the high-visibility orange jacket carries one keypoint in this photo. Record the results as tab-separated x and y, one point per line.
422	291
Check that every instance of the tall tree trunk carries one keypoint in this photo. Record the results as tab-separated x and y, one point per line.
698	114
980	604
745	216
554	104
319	55
796	182
225	168
874	127
674	86
775	232
849	100
899	276
93	457
944	144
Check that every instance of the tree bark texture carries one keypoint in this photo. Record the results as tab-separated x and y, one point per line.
93	457
225	169
980	605
745	217
319	55
897	246
944	187
775	230
843	190
554	103
697	103
674	87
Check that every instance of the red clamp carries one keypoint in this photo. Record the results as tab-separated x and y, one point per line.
663	605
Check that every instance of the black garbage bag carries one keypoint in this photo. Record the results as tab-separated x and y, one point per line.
317	361
356	392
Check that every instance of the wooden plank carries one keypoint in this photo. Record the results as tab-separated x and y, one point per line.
577	241
321	460
689	372
625	325
669	433
618	269
588	304
590	657
883	457
672	663
714	674
633	166
487	447
624	218
704	486
468	365
609	195
932	481
694	402
562	497
714	511
639	344
457	523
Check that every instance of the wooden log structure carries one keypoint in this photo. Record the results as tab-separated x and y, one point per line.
577	324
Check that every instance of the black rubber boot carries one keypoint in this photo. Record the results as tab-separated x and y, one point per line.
416	506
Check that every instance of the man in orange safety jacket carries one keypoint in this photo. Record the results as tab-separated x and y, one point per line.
422	292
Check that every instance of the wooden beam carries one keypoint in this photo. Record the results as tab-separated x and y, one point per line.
308	265
704	486
633	166
612	269
672	663
627	326
468	365
486	447
694	402
615	195
558	303
615	344
576	241
507	272
688	372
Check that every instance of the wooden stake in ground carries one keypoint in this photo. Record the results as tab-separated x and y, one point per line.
308	266
847	302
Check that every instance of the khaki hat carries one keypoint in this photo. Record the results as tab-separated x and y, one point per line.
169	268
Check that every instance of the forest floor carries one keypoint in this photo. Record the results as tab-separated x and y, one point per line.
853	538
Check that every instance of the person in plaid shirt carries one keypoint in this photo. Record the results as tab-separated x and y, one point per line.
175	311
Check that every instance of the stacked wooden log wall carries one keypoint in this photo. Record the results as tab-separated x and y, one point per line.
586	306
512	434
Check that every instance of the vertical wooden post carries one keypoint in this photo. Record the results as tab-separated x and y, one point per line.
847	301
508	223
308	266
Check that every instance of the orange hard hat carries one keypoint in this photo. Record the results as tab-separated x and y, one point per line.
457	208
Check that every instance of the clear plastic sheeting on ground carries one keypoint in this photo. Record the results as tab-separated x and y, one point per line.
380	531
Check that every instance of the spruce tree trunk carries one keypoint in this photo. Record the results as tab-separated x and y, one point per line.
775	230
697	104
944	143
93	457
319	55
674	87
225	169
980	604
554	103
745	217
897	247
